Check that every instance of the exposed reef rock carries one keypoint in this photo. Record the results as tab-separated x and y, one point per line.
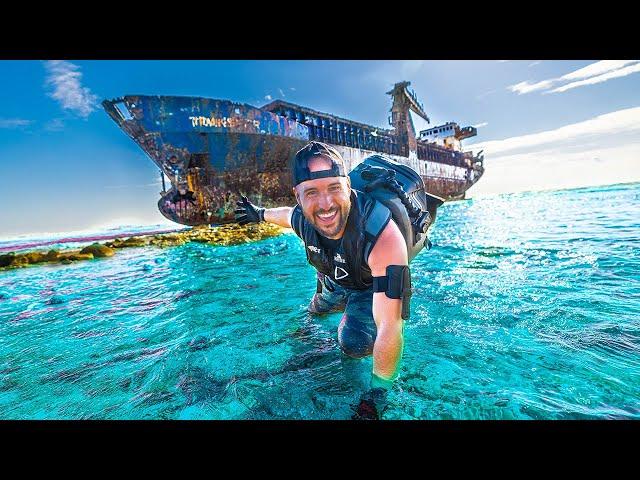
6	260
52	255
225	235
80	256
98	250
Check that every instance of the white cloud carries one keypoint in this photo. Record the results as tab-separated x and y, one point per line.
65	80
14	122
292	89
54	125
533	64
267	97
281	92
480	125
597	68
602	71
486	94
526	87
623	72
609	124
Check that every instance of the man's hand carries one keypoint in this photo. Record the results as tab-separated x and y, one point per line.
247	212
372	404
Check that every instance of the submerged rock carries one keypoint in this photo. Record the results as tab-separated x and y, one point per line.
56	300
199	343
186	294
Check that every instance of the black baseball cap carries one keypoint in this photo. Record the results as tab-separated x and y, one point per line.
300	170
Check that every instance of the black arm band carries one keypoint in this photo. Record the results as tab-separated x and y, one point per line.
396	284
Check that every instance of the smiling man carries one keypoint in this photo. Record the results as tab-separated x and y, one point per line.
361	259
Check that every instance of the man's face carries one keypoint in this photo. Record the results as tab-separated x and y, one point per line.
325	202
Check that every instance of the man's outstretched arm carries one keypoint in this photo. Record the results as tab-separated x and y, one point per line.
280	216
247	212
390	249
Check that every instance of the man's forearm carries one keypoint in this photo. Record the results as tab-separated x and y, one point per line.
387	350
279	216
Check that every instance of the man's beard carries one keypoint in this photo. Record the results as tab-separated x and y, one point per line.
340	221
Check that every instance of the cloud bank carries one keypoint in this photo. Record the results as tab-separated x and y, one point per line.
599	151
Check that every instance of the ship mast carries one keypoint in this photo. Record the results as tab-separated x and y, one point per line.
403	102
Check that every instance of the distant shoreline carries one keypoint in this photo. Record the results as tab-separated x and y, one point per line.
91	238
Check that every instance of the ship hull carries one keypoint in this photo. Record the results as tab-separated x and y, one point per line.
211	150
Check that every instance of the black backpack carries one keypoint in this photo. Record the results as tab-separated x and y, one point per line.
401	189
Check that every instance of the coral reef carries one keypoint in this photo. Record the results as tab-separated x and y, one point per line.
98	250
229	234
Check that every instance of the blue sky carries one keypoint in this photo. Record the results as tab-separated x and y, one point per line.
542	124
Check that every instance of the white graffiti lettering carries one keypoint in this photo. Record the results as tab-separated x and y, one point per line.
224	122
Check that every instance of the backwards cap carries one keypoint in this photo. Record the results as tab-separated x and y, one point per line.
300	168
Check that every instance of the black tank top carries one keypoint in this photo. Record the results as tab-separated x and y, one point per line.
329	243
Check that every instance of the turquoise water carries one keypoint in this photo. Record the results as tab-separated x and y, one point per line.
527	307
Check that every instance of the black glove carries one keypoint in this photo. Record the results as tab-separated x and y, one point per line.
372	404
247	212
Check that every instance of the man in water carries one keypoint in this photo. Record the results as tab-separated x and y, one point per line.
329	217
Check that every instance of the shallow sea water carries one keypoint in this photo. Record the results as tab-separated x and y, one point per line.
527	307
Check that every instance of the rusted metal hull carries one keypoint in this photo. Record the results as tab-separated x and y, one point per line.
212	149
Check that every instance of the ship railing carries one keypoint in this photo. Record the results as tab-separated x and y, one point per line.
436	153
337	132
355	139
441	177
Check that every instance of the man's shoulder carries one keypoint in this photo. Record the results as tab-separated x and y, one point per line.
390	247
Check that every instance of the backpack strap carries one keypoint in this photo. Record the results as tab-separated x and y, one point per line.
375	224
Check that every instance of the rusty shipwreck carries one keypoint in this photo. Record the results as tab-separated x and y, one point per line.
210	149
